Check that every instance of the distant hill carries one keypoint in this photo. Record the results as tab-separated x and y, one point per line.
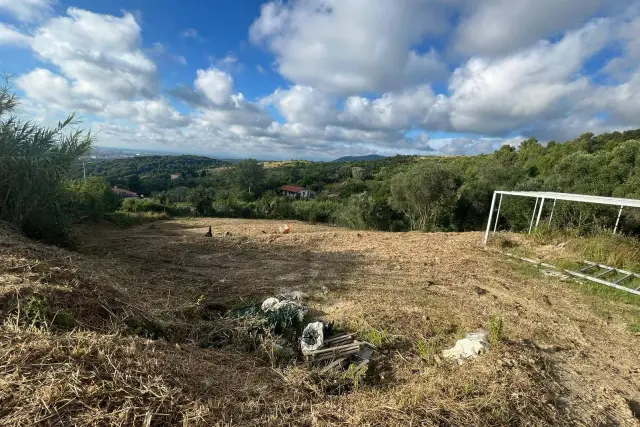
113	169
359	158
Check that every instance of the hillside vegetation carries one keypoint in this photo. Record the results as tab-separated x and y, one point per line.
426	193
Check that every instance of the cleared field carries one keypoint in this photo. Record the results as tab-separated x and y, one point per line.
567	357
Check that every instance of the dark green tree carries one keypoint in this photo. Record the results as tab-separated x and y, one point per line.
249	174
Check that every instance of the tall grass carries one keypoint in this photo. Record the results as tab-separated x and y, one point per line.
616	250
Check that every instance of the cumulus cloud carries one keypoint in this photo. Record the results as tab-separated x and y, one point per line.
494	96
28	10
215	84
11	35
349	46
498	27
360	79
99	54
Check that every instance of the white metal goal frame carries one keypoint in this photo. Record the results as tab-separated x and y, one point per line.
542	196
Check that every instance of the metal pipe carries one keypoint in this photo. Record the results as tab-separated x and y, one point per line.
552	210
540	212
497	214
533	215
618	220
602	282
493	203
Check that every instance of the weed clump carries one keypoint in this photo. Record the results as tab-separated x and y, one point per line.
495	326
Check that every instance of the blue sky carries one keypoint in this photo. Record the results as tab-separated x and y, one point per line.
319	79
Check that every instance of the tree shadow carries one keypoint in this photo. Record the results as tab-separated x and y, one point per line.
168	266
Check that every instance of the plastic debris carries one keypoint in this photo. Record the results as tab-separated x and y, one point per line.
471	346
268	304
285	229
312	337
293	306
274	305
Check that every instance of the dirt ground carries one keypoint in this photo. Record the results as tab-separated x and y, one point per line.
566	358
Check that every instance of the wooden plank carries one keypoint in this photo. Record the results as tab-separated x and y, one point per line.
602	282
333	365
334	349
333	340
340	354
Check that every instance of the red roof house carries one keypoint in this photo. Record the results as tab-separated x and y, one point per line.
296	191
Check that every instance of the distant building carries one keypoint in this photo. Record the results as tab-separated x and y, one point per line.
175	176
124	193
296	191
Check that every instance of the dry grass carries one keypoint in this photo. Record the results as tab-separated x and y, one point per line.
559	360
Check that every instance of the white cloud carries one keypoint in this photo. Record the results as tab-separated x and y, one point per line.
391	111
472	146
99	54
494	96
11	35
215	84
55	91
359	84
497	27
304	104
190	32
156	112
351	46
28	10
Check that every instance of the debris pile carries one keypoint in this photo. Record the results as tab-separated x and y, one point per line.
274	305
320	345
339	349
474	344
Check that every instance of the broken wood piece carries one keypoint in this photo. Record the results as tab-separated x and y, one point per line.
341	337
331	356
338	342
334	349
333	365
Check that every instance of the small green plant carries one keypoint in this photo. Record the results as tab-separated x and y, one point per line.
375	336
495	326
425	349
354	376
35	310
64	319
634	327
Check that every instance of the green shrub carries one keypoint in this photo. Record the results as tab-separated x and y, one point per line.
92	198
33	163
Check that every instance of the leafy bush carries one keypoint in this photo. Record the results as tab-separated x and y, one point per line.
33	162
92	198
426	194
150	205
314	210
